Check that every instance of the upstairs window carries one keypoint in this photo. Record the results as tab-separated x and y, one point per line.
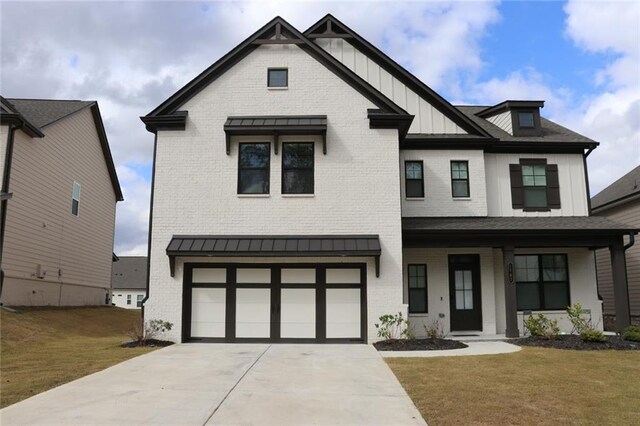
253	168
534	184
297	168
278	77
414	179
526	120
418	289
460	179
75	199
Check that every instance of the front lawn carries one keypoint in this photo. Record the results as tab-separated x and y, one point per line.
44	348
533	386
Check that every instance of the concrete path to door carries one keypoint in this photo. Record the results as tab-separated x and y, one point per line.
248	384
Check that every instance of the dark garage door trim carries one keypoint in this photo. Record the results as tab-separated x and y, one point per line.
275	287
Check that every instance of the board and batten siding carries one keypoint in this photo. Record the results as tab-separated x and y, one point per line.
438	198
502	120
75	252
573	190
356	189
629	214
427	118
4	140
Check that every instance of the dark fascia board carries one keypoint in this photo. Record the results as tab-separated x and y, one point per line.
509	105
617	202
169	106
279	237
108	158
175	121
383	120
493	145
19	122
114	257
399	72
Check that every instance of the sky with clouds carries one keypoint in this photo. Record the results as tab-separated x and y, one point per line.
582	58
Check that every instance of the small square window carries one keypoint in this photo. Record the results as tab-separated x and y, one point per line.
525	120
278	77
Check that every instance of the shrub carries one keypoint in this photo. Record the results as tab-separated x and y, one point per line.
393	327
541	326
591	334
631	333
150	330
435	330
576	314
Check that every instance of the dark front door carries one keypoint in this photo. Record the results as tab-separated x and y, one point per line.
464	292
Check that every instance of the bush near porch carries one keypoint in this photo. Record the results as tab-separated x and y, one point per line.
44	348
533	386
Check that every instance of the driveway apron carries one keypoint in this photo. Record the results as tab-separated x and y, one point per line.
227	384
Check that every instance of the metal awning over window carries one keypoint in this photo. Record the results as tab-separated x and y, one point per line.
274	246
276	125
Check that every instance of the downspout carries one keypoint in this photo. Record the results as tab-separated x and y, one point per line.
586	177
153	179
5	190
632	241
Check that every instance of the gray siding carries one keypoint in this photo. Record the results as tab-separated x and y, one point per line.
629	214
73	251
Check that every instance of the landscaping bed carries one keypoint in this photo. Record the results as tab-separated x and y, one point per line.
418	345
153	343
575	342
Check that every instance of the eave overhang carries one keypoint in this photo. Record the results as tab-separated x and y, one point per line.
384	120
509	105
494	145
174	121
19	122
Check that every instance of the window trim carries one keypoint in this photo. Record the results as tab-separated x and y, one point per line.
139	298
426	289
73	186
254	194
406	180
128	299
286	85
534	162
461	180
540	283
313	169
533	119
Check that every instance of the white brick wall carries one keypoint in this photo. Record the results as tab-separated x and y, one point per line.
356	183
438	199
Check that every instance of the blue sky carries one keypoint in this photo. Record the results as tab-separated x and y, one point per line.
582	58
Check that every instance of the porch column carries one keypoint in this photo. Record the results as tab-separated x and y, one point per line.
511	308
620	287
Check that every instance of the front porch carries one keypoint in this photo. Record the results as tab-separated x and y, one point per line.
482	276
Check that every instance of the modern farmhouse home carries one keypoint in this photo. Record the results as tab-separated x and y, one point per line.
59	195
306	184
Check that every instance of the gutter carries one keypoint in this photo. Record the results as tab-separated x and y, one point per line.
4	203
632	241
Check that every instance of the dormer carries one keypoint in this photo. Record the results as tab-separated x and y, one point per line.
518	118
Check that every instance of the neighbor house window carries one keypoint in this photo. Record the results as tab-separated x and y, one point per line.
128	299
139	298
75	199
278	77
525	120
534	184
414	179
542	282
418	289
253	168
297	168
460	179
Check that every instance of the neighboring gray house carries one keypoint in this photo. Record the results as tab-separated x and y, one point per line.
59	194
306	184
620	201
129	282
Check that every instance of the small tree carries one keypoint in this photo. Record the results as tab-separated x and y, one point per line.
541	326
435	330
577	317
393	327
150	330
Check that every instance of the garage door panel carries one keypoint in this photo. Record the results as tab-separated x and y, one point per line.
343	313
209	275
208	309
298	313
253	312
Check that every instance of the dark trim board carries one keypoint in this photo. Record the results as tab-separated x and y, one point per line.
275	287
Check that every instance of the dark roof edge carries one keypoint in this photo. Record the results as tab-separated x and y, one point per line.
92	103
617	202
102	135
402	74
18	120
383	120
175	121
497	146
507	105
276	237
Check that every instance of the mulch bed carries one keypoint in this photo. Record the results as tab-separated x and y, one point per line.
418	345
575	342
150	342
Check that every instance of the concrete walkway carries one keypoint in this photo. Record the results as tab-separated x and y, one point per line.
475	348
198	384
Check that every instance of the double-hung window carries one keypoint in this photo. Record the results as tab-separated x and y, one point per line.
418	289
253	168
542	282
139	298
128	299
297	168
414	179
75	199
534	184
460	179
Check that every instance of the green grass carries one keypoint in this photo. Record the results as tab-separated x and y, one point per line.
535	386
44	348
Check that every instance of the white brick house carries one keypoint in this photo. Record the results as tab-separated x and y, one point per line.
305	184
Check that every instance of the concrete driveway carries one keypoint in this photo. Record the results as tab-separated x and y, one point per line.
207	384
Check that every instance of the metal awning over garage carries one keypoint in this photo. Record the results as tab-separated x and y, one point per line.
274	246
276	125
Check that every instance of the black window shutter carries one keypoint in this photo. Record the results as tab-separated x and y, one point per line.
553	186
517	192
